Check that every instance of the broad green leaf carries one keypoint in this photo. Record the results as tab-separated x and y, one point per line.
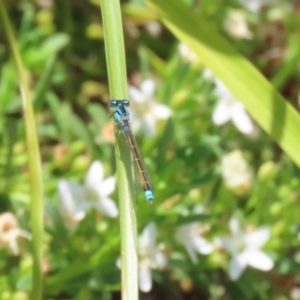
269	109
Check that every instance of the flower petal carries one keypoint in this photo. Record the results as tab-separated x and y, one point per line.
186	53
161	111
149	125
14	247
154	28
185	235
258	260
25	234
147	239
182	233
241	119
108	207
145	279
257	238
107	186
202	246
221	114
135	95
236	25
148	88
253	6
235	172
10	232
72	196
236	267
192	253
223	92
95	175
228	244
159	259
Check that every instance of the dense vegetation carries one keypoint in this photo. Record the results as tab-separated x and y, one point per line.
225	220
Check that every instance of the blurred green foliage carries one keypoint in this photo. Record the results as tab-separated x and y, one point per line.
62	47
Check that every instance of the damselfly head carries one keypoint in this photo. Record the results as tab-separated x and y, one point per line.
125	103
113	103
116	103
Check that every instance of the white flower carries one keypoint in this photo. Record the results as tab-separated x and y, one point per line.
229	108
256	5
235	171
187	54
190	236
154	28
10	232
144	110
76	199
150	257
236	26
245	249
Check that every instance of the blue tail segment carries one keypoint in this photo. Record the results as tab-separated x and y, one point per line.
149	196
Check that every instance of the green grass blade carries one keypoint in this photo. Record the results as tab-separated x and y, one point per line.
269	109
116	66
34	163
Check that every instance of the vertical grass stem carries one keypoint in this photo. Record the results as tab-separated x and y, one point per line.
34	161
116	67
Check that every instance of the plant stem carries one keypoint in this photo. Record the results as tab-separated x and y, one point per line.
116	66
34	162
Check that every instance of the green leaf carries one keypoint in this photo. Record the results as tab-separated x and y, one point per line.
55	43
269	109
